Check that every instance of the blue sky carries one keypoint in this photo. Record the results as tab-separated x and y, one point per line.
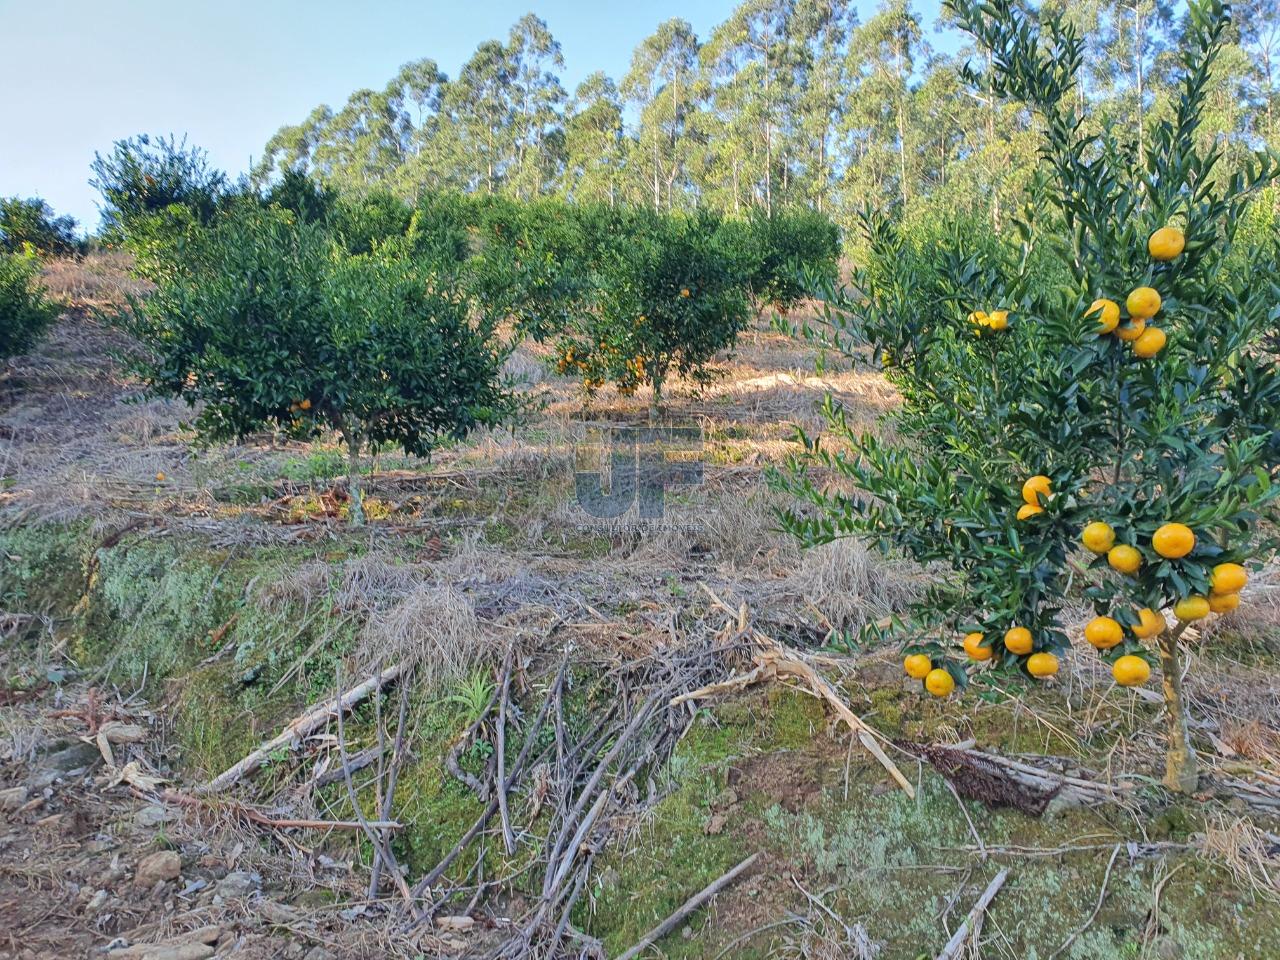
78	74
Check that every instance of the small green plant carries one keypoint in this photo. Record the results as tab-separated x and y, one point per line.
271	325
25	312
472	695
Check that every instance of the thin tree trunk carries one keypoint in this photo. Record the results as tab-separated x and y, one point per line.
354	490
1182	767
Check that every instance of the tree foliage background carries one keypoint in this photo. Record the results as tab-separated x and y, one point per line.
787	102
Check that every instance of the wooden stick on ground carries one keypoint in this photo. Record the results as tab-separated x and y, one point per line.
253	816
688	907
302	726
974	919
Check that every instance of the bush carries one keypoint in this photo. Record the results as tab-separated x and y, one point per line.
31	223
789	251
309	201
25	314
270	325
145	175
670	293
1035	451
365	223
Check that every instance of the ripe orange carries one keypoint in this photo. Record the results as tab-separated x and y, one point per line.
160	477
1098	536
1228	578
1150	624
1143	302
1029	510
939	682
1166	243
1124	558
1036	487
305	405
979	318
1131	671
1191	608
1103	632
917	666
1151	342
684	292
1018	640
1042	665
1132	330
998	319
1223	602
1108	312
974	648
1173	540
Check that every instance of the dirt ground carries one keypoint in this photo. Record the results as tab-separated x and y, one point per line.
164	608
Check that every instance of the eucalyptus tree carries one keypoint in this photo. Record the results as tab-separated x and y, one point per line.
595	142
663	86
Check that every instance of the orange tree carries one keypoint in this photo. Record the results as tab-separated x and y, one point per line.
1090	406
25	312
272	324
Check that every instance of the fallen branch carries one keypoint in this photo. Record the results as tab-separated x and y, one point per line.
974	920
775	661
254	816
688	907
301	727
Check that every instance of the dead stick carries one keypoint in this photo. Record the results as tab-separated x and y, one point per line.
301	727
508	836
253	816
689	906
957	941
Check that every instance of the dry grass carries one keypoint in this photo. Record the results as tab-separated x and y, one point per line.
100	279
435	628
1246	851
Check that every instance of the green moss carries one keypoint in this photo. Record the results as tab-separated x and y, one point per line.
212	723
43	568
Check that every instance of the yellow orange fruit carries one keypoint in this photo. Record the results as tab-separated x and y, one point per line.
939	682
1042	665
917	666
979	318
1132	330
974	648
305	405
1131	671
1029	510
1151	623
1124	558
1108	312
1036	487
1166	243
1173	540
1143	302
1191	608
684	292
1018	640
1103	632
1228	578
1098	536
998	319
160	477
1150	342
1223	602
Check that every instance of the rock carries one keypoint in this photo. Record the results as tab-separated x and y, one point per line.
715	826
62	763
238	885
97	902
210	934
153	816
274	912
13	798
318	953
454	924
165	865
163	951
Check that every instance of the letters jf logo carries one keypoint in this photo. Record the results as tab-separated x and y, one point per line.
640	470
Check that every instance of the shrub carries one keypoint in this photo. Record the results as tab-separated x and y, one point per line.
146	175
24	312
670	292
363	223
309	201
1035	451
272	326
784	249
31	223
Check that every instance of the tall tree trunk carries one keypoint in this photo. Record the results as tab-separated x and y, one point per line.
355	510
1182	767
